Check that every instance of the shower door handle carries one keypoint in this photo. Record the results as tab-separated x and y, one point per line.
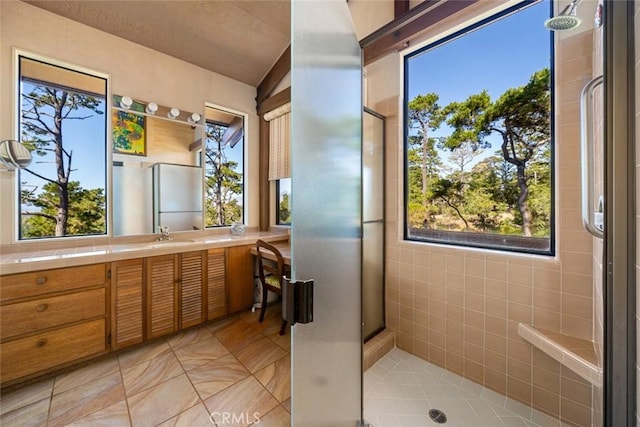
297	301
587	159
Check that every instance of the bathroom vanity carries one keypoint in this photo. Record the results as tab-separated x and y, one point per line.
66	306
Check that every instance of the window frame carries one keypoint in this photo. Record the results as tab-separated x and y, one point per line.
471	27
16	215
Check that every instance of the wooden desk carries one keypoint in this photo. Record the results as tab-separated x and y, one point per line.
283	246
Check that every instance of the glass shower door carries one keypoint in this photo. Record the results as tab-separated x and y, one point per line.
372	223
326	123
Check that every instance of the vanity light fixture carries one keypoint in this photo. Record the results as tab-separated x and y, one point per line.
151	108
194	118
173	113
126	102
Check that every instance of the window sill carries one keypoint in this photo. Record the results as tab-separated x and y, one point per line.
575	353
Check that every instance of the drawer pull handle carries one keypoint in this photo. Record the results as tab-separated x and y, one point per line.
42	307
42	342
41	280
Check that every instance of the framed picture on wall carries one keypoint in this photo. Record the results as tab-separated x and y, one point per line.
129	135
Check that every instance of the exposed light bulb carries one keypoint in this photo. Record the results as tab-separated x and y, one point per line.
194	118
173	113
151	108
126	102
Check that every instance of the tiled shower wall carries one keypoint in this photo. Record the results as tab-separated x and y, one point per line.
460	308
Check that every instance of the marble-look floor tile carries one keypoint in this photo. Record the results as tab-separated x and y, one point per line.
142	354
21	397
284	341
162	402
241	403
215	376
276	378
86	399
219	325
259	354
200	353
287	405
198	416
146	374
83	375
272	324
237	335
189	337
272	318
278	417
34	414
114	416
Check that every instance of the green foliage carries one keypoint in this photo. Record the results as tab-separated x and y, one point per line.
85	212
507	193
284	210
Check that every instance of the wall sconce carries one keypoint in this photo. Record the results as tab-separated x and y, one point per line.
194	118
151	108
173	113
126	102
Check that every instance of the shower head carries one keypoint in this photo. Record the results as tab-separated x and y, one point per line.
566	20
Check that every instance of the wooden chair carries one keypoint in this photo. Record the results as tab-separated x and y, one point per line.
271	275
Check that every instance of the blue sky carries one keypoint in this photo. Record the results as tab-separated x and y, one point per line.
496	57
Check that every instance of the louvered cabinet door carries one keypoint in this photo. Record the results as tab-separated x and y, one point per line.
162	295
127	284
216	284
192	288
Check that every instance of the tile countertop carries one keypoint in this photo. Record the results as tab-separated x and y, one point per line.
42	258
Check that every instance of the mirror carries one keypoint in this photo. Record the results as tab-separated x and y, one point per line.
182	173
157	173
14	155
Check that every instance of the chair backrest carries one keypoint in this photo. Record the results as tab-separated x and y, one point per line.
266	263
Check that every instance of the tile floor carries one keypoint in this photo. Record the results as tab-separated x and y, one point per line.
238	370
242	367
400	389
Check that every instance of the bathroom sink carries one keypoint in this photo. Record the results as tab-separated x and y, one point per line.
166	243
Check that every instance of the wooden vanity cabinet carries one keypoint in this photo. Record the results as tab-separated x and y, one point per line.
240	277
162	295
192	288
127	302
52	318
216	284
177	288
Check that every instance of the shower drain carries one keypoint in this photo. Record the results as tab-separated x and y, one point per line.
438	416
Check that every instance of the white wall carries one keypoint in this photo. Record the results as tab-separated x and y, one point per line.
134	70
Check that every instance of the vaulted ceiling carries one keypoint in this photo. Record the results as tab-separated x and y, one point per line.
241	39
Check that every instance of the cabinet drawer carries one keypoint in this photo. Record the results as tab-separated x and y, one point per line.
45	281
38	353
43	313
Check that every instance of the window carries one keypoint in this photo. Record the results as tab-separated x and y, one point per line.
283	201
62	120
224	159
478	136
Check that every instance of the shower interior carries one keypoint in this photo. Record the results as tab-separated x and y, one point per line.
564	310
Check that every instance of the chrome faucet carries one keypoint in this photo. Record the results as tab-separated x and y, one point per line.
164	234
